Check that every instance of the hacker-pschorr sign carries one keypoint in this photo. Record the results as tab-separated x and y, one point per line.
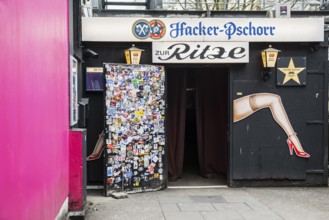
200	52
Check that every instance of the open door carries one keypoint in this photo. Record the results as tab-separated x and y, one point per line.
135	128
197	126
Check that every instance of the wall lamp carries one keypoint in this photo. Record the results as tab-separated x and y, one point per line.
269	57
133	55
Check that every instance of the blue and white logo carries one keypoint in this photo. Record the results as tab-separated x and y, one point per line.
141	29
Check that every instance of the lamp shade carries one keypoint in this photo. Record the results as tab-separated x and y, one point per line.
133	55
269	57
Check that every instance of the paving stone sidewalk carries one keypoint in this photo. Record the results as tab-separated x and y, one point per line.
212	204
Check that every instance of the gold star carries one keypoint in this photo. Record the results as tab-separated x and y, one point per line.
291	72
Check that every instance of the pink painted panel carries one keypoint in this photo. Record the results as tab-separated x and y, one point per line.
34	116
76	174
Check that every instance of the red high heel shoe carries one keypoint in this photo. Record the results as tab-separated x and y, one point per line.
292	147
96	156
99	147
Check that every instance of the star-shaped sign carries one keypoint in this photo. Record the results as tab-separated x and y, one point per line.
291	72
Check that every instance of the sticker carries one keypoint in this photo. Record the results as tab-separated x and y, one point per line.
110	146
118	179
140	113
117	173
122	158
150	169
123	150
146	161
135	116
109	171
129	174
110	161
130	153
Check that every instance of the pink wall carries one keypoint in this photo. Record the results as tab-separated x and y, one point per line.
34	119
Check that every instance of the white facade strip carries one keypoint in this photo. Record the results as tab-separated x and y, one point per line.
122	29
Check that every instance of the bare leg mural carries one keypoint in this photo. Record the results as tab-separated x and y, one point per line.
99	147
247	105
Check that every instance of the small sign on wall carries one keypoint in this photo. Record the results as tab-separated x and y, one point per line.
94	79
74	114
282	10
291	71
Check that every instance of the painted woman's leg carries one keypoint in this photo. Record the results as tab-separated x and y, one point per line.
245	106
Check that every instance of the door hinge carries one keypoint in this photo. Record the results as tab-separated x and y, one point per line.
315	122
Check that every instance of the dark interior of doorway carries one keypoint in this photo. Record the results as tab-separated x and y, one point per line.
203	87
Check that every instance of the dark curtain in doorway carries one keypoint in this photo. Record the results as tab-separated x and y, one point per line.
176	98
211	118
212	114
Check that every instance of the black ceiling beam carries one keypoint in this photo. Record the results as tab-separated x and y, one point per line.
126	3
147	3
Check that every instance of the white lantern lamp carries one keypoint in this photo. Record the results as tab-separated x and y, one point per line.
269	57
133	55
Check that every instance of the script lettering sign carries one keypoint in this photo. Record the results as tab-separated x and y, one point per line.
200	52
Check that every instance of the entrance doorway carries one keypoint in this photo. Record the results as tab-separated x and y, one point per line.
197	126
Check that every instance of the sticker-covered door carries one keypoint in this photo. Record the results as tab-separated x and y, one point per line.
135	128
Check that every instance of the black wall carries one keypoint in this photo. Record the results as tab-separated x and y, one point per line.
259	153
265	159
